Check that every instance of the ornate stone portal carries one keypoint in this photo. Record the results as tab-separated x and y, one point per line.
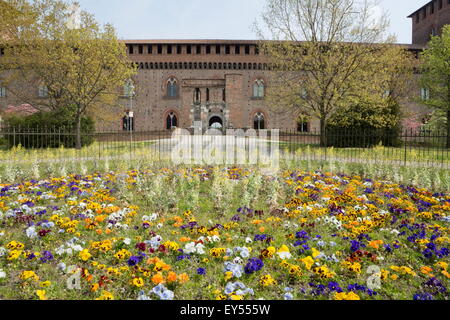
206	100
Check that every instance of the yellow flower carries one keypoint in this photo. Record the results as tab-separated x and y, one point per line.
442	265
15	245
236	297
25	275
45	284
106	296
346	296
228	275
315	252
122	254
308	261
41	294
267	281
85	255
14	254
138	282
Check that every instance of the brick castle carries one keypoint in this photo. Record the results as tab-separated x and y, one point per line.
220	83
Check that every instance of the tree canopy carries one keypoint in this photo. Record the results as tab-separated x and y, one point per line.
82	68
436	75
330	54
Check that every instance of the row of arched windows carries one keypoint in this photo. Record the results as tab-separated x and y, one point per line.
172	90
203	65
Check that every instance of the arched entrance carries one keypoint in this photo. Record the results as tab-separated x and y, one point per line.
216	122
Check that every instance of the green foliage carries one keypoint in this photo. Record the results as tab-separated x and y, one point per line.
437	122
365	125
436	71
436	75
30	131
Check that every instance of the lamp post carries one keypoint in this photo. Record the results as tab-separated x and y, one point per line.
131	113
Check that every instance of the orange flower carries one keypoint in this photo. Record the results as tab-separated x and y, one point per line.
262	229
183	278
185	239
171	277
153	260
158	278
427	270
375	244
99	231
100	218
108	231
94	287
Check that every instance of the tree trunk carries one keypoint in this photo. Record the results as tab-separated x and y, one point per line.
323	133
78	133
448	129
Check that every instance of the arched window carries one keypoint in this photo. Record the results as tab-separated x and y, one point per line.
259	121
172	88
258	89
171	121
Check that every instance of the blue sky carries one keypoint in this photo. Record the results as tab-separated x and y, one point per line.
210	19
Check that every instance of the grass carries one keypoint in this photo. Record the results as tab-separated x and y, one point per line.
413	154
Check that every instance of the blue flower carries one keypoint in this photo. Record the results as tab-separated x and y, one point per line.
46	256
288	296
253	265
355	245
201	271
423	296
134	260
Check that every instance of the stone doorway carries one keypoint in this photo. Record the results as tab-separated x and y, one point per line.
216	122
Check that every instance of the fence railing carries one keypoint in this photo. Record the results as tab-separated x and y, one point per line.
423	148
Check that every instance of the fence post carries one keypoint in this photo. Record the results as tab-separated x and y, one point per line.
406	147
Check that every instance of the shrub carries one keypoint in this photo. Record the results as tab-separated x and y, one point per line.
365	125
48	130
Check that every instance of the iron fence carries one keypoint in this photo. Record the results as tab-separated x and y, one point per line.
422	148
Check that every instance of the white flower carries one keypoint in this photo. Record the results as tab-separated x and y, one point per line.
127	241
62	267
248	240
159	226
2	251
200	248
284	255
238	260
31	232
194	248
2	274
190	248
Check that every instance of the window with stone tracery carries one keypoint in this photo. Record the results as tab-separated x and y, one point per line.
171	121
172	88
259	121
258	89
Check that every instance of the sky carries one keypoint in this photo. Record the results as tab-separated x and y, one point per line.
211	19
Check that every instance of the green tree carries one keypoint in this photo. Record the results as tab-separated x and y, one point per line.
436	75
328	54
81	67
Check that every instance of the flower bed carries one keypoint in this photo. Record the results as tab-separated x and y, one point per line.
222	234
